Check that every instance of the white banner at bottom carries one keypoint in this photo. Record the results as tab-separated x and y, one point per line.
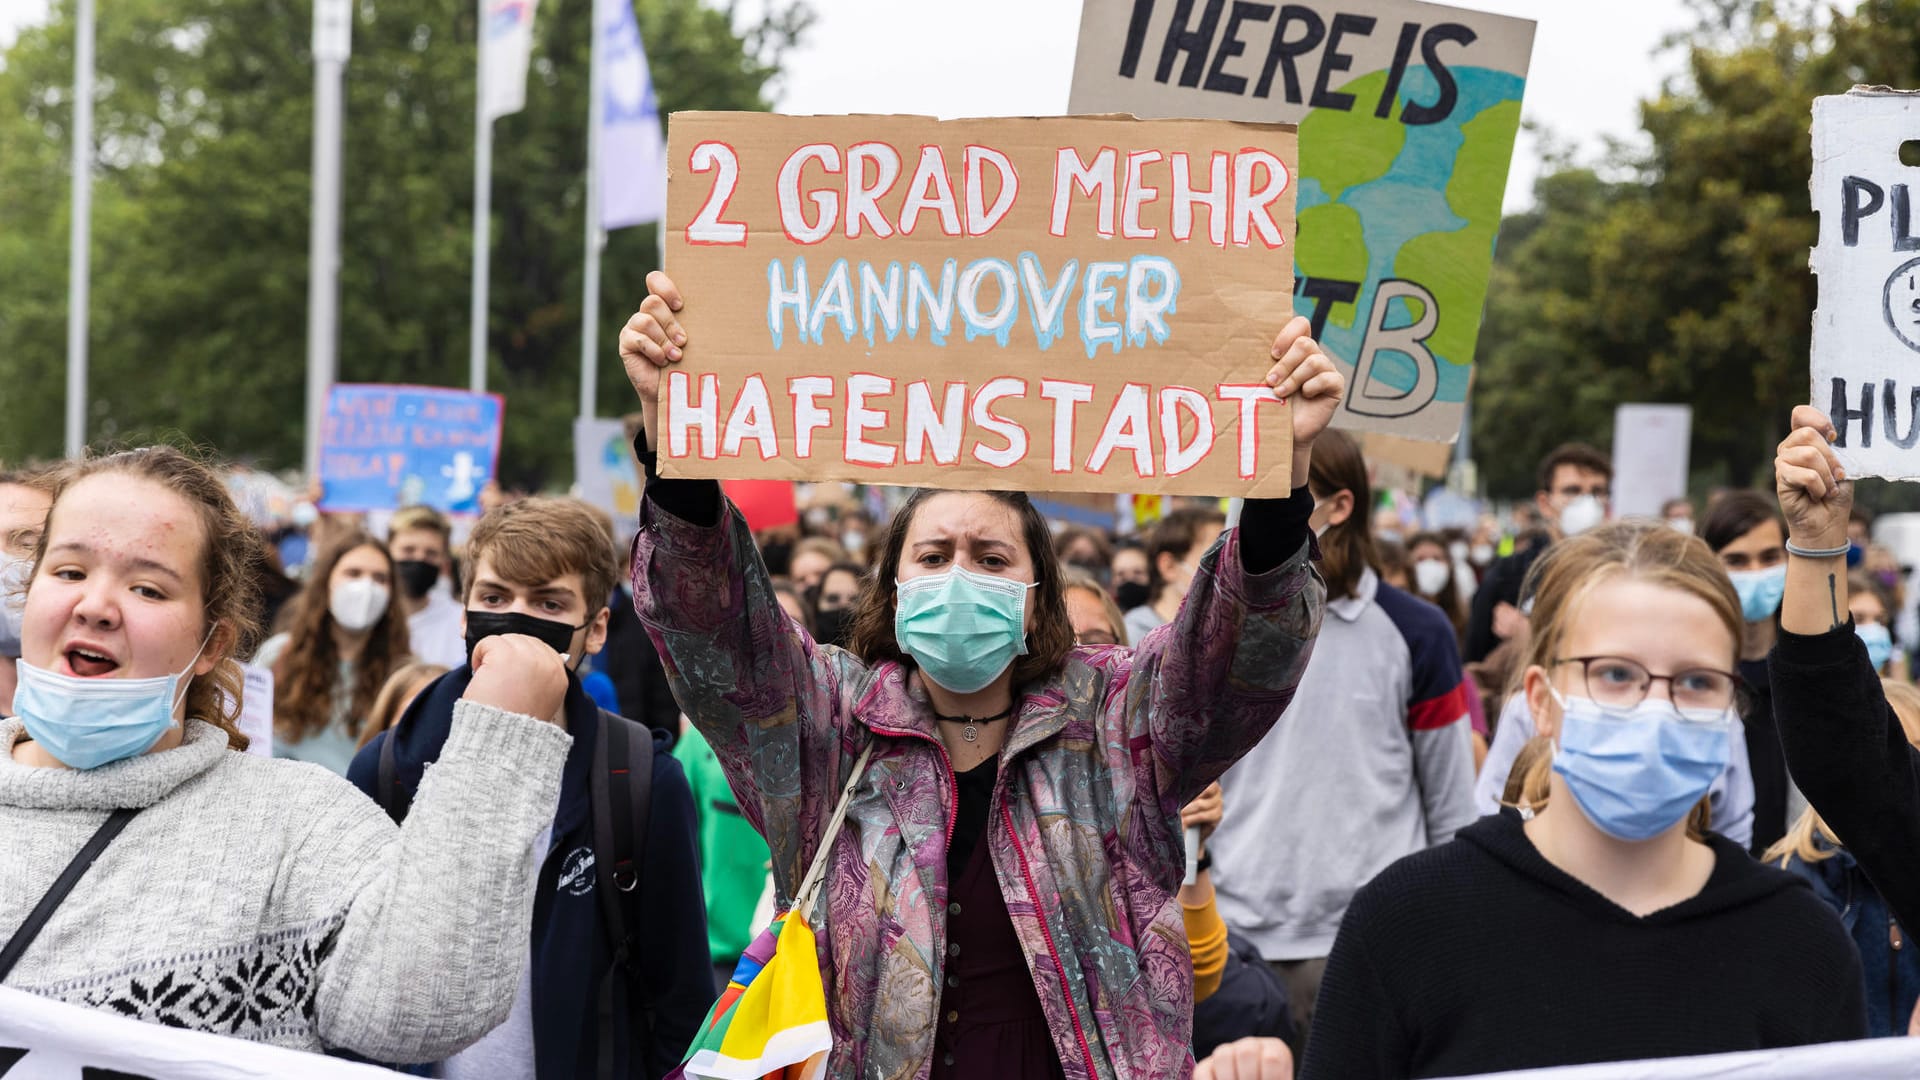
42	1039
1869	1059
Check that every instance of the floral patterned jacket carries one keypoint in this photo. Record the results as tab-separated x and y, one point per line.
1084	835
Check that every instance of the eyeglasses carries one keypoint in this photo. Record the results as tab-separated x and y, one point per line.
1620	683
1095	637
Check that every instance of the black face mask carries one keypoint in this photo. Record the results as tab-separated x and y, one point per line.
778	555
1130	595
417	578
832	627
485	624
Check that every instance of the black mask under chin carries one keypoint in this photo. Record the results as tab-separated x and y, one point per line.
417	578
485	624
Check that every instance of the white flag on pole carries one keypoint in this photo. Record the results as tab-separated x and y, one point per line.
633	157
508	40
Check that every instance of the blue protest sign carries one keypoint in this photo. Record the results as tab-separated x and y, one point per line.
385	447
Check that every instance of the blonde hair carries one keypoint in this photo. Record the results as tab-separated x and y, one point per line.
400	689
1562	579
1804	840
422	518
1071	579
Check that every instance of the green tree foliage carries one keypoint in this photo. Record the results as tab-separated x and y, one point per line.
199	288
1680	273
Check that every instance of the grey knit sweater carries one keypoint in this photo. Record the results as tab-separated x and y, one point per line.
272	901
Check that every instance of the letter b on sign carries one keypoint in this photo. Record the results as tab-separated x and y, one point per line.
1373	397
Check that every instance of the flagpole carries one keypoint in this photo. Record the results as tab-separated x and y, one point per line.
482	214
332	25
596	237
80	230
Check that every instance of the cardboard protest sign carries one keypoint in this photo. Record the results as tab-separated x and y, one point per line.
1866	327
383	447
1407	115
1031	304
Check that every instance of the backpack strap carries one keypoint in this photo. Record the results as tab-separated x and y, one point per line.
37	919
386	789
622	789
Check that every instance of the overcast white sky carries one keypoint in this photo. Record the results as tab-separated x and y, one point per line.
1592	62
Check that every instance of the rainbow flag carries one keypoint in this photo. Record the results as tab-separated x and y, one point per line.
771	1021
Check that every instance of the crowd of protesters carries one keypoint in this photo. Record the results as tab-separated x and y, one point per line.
1277	786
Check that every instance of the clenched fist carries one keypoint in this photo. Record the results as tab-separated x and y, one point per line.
520	675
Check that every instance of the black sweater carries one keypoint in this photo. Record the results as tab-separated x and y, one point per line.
1850	756
1481	956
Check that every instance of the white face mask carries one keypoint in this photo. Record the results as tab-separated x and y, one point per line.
1683	525
1581	514
358	603
1457	551
1430	576
1481	555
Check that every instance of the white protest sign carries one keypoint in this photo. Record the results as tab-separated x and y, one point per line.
256	710
1650	455
1866	328
43	1039
1868	1059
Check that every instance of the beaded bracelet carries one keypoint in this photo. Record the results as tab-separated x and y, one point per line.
1818	553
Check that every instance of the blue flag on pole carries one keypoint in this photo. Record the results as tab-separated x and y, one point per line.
633	155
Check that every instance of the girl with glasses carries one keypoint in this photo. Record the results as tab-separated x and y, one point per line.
1610	924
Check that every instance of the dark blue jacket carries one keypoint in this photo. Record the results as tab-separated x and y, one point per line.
1892	974
571	947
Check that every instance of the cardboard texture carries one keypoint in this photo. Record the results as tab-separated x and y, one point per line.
1866	325
1407	115
982	314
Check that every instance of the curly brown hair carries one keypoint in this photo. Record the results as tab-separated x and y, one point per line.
230	562
305	672
1048	642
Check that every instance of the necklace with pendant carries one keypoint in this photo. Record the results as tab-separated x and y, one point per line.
970	731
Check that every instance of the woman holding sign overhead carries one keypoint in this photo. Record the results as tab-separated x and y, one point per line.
1000	900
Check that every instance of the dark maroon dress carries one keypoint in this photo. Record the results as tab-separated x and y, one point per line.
991	1026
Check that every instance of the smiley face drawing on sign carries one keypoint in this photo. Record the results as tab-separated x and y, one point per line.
1901	303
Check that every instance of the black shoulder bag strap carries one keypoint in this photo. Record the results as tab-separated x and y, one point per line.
622	802
385	790
37	919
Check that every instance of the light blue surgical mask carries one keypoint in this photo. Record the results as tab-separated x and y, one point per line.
1879	642
1760	591
962	628
1635	773
87	723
